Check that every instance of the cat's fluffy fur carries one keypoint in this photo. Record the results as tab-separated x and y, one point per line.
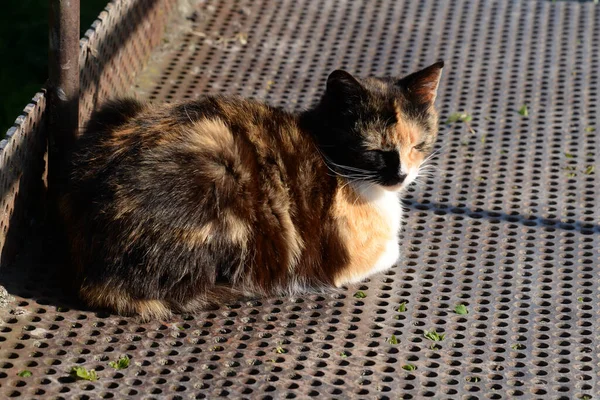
170	208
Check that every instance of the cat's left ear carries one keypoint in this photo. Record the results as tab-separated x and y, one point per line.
341	84
422	86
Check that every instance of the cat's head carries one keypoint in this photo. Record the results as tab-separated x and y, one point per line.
378	130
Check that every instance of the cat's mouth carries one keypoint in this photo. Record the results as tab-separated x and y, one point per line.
401	182
398	187
394	188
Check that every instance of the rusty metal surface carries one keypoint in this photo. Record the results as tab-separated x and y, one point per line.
508	226
117	47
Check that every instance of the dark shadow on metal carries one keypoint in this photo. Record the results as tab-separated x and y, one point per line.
24	188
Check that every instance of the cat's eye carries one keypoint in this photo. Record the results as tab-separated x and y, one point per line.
420	146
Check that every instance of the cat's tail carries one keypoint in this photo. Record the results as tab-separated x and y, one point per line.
214	297
106	297
110	297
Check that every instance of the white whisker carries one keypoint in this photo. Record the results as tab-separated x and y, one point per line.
370	185
432	155
353	174
186	113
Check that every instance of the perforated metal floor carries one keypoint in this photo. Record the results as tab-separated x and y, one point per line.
508	226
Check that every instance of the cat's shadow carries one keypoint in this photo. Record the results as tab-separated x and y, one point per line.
585	228
37	274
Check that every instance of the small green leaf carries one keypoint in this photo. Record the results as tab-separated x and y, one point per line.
461	309
580	299
280	350
524	111
452	118
84	374
474	379
181	328
401	307
483	139
586	396
409	367
459	117
25	374
360	295
589	170
393	340
517	346
480	178
590	129
433	335
569	155
571	175
343	354
121	363
503	152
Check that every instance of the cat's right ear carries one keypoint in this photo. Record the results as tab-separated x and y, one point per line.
421	86
340	84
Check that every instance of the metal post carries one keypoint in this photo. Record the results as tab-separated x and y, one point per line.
63	87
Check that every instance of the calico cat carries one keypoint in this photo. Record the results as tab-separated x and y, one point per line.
171	208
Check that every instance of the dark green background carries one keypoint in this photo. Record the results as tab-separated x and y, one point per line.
24	51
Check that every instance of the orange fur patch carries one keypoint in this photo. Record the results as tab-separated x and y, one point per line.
408	134
364	230
211	135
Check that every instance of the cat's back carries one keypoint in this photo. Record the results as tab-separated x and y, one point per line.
174	161
214	139
127	126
